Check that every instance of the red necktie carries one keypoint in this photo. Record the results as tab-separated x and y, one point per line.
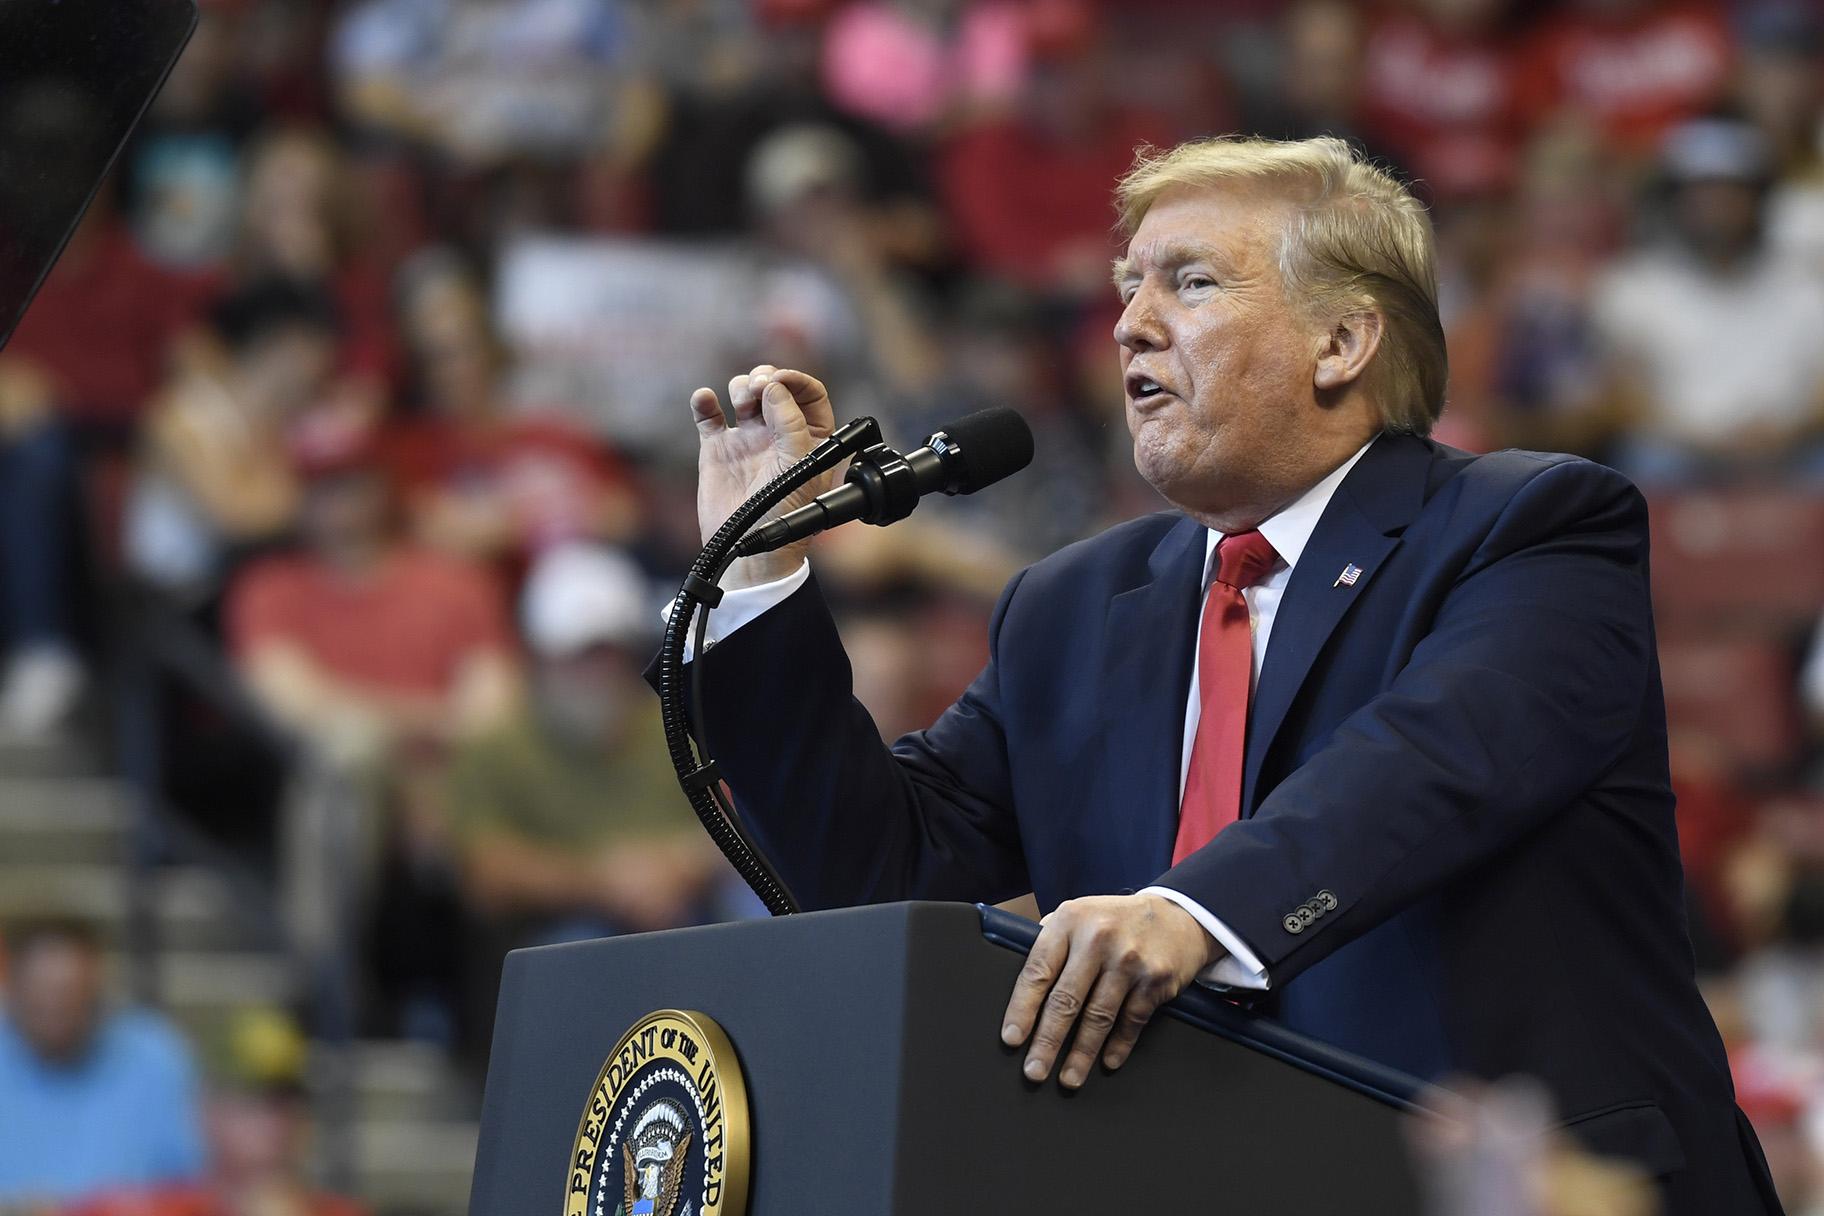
1225	669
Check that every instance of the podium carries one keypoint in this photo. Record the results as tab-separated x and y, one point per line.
876	1085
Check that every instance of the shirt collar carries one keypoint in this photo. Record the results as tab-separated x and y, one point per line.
1289	530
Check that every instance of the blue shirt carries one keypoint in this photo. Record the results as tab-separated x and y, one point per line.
124	1115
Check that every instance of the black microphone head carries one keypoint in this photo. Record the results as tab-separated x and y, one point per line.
983	448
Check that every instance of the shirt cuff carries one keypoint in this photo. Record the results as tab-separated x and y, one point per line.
742	606
1240	967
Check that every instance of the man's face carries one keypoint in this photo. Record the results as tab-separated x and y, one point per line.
288	368
1719	219
345	510
1233	431
254	1135
586	697
54	997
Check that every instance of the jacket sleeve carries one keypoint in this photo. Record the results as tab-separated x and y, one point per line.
1527	689
843	817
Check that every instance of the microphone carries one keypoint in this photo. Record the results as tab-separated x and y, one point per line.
882	486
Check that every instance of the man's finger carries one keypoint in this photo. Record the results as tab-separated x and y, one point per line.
753	384
1100	1014
1143	1002
811	397
1036	978
783	417
706	410
802	385
1059	1013
743	399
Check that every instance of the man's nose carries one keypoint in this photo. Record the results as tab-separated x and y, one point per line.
1138	328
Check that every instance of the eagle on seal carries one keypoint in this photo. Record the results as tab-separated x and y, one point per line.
652	1184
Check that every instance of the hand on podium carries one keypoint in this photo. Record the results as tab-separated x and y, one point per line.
1103	964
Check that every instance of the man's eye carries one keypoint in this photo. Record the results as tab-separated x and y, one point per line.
1198	281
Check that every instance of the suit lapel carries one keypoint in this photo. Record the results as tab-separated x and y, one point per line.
1358	531
1148	638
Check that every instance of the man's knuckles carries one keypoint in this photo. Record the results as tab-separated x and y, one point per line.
1098	1018
1036	972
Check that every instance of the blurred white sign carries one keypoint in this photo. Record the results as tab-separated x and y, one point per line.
617	333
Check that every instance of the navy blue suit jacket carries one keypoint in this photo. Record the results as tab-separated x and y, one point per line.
1457	854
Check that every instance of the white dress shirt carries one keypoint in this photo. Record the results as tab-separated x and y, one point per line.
1288	532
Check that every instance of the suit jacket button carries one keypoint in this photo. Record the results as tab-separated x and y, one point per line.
1306	914
1326	901
1293	924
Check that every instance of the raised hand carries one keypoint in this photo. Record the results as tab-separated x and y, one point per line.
780	415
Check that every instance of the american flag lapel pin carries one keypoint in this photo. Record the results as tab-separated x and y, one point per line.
1347	578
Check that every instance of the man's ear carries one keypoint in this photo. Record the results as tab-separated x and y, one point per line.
1345	352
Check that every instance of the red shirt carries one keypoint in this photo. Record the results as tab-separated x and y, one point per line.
1634	77
406	627
103	324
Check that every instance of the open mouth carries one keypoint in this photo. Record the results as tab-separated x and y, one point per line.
1144	388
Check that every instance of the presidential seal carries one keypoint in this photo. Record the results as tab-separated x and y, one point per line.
665	1130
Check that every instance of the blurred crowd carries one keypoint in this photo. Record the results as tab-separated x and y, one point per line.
369	365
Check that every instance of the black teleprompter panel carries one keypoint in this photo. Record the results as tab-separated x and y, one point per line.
75	76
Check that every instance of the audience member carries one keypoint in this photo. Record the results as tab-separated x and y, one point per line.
1498	1151
477	481
90	1097
1781	90
379	655
998	352
256	1125
300	221
182	170
1811	684
918	65
215	481
1711	339
104	294
1317	87
695	179
1027	191
829	294
568	818
483	81
43	674
1544	371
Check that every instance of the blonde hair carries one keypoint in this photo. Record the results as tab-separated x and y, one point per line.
1358	241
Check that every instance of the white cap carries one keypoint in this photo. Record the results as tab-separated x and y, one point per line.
580	595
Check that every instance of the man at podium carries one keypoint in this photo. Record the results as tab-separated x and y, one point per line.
1367	729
